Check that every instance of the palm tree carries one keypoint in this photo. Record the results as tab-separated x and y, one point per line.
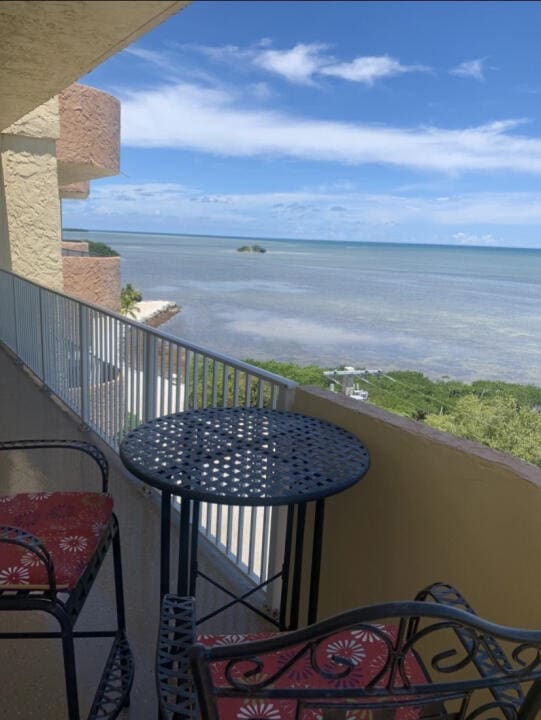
129	297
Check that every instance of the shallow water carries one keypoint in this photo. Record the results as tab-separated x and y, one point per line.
458	311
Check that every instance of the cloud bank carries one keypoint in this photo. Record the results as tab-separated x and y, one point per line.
327	213
194	117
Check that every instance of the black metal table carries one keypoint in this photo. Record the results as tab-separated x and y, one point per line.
245	457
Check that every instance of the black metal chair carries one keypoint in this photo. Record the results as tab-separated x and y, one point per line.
428	658
52	545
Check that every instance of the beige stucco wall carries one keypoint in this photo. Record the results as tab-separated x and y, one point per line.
45	46
89	144
31	223
93	279
432	507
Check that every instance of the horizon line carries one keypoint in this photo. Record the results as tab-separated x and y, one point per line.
285	239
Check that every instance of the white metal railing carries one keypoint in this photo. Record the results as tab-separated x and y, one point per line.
115	373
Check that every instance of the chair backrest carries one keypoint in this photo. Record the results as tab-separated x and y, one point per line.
395	661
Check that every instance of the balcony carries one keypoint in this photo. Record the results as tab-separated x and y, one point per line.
432	506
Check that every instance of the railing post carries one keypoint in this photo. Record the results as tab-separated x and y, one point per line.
149	377
84	344
15	320
42	337
285	397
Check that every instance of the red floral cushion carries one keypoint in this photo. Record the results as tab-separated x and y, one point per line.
365	651
69	524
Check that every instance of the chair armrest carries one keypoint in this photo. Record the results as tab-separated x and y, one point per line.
16	536
176	635
488	660
80	445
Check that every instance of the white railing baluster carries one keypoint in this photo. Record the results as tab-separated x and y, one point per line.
204	382
149	376
84	352
115	373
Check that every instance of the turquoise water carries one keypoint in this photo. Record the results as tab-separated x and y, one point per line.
459	311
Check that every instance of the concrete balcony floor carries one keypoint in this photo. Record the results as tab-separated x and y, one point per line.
31	681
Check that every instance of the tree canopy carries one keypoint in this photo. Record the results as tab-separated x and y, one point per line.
503	416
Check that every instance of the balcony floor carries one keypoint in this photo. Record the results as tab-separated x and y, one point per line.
31	682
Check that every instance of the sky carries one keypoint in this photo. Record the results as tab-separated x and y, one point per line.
360	121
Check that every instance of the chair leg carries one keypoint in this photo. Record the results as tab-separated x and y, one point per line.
119	585
119	589
70	672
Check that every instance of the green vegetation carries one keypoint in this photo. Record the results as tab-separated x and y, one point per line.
131	421
503	416
499	422
252	248
304	375
129	297
99	249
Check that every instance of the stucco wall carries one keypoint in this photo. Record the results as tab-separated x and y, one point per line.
45	46
74	248
75	191
432	507
31	207
93	279
89	143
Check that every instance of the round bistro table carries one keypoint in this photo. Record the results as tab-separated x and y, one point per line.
245	457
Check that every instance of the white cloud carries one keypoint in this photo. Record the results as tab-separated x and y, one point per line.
470	69
192	117
297	65
304	61
462	238
150	56
305	213
369	69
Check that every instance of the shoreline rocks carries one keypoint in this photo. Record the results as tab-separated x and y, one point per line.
155	312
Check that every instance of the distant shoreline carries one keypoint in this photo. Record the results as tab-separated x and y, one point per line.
244	238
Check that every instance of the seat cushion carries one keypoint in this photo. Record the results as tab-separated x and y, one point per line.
362	651
69	525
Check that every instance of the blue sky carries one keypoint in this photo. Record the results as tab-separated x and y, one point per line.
373	121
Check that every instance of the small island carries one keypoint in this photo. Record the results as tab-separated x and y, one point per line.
251	248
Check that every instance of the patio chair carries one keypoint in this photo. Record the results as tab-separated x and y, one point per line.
52	545
428	658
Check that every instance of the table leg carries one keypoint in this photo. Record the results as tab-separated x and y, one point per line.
316	561
165	539
297	571
184	548
193	546
286	565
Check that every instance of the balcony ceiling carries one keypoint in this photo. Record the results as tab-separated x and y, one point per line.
45	46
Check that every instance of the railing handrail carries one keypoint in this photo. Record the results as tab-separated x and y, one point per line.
188	344
114	372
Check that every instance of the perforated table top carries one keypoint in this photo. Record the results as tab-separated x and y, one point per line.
245	456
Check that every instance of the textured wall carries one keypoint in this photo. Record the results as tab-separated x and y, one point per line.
45	46
31	232
89	143
93	279
42	122
431	507
74	248
75	191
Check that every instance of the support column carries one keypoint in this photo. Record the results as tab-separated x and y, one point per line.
30	219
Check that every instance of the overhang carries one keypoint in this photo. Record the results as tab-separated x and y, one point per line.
45	46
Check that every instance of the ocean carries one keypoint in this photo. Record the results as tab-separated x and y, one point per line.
462	312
